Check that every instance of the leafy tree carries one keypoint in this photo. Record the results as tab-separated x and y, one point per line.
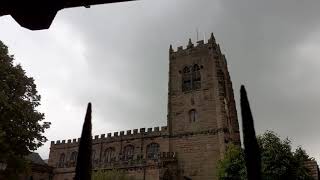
277	157
300	157
233	165
21	130
111	175
278	161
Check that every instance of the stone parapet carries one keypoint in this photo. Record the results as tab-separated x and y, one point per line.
128	134
191	48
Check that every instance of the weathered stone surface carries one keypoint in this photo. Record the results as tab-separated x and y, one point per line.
313	168
200	123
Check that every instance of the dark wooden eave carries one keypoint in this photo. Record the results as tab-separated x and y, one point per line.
39	14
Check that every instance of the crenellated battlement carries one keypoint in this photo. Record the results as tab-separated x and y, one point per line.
210	44
135	133
201	116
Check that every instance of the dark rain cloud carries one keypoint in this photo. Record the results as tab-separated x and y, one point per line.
117	57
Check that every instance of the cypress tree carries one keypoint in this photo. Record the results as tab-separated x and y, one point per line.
84	163
251	147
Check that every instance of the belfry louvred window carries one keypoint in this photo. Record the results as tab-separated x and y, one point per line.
191	78
196	77
186	79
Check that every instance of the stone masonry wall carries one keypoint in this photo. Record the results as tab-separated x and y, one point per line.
139	139
201	122
200	143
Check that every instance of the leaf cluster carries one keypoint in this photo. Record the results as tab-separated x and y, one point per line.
111	175
278	160
21	129
233	165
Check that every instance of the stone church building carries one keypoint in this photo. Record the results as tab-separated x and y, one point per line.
201	121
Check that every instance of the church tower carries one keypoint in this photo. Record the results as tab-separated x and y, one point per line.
202	116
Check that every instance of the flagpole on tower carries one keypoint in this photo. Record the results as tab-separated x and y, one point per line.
197	31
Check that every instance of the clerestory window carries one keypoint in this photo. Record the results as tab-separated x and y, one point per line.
128	152
93	157
61	160
73	157
153	150
109	154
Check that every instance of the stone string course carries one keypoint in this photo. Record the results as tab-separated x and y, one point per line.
186	149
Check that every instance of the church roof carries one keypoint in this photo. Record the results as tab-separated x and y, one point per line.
35	158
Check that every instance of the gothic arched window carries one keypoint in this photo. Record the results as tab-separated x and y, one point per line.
186	79
61	160
196	77
73	157
128	152
191	78
109	154
93	157
193	115
153	150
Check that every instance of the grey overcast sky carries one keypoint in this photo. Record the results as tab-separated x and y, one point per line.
116	56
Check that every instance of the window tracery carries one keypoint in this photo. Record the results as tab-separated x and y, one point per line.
153	150
196	77
191	78
186	79
73	157
109	154
61	160
128	152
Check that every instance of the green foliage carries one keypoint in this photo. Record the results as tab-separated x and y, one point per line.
21	129
16	166
111	175
300	156
278	160
233	165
